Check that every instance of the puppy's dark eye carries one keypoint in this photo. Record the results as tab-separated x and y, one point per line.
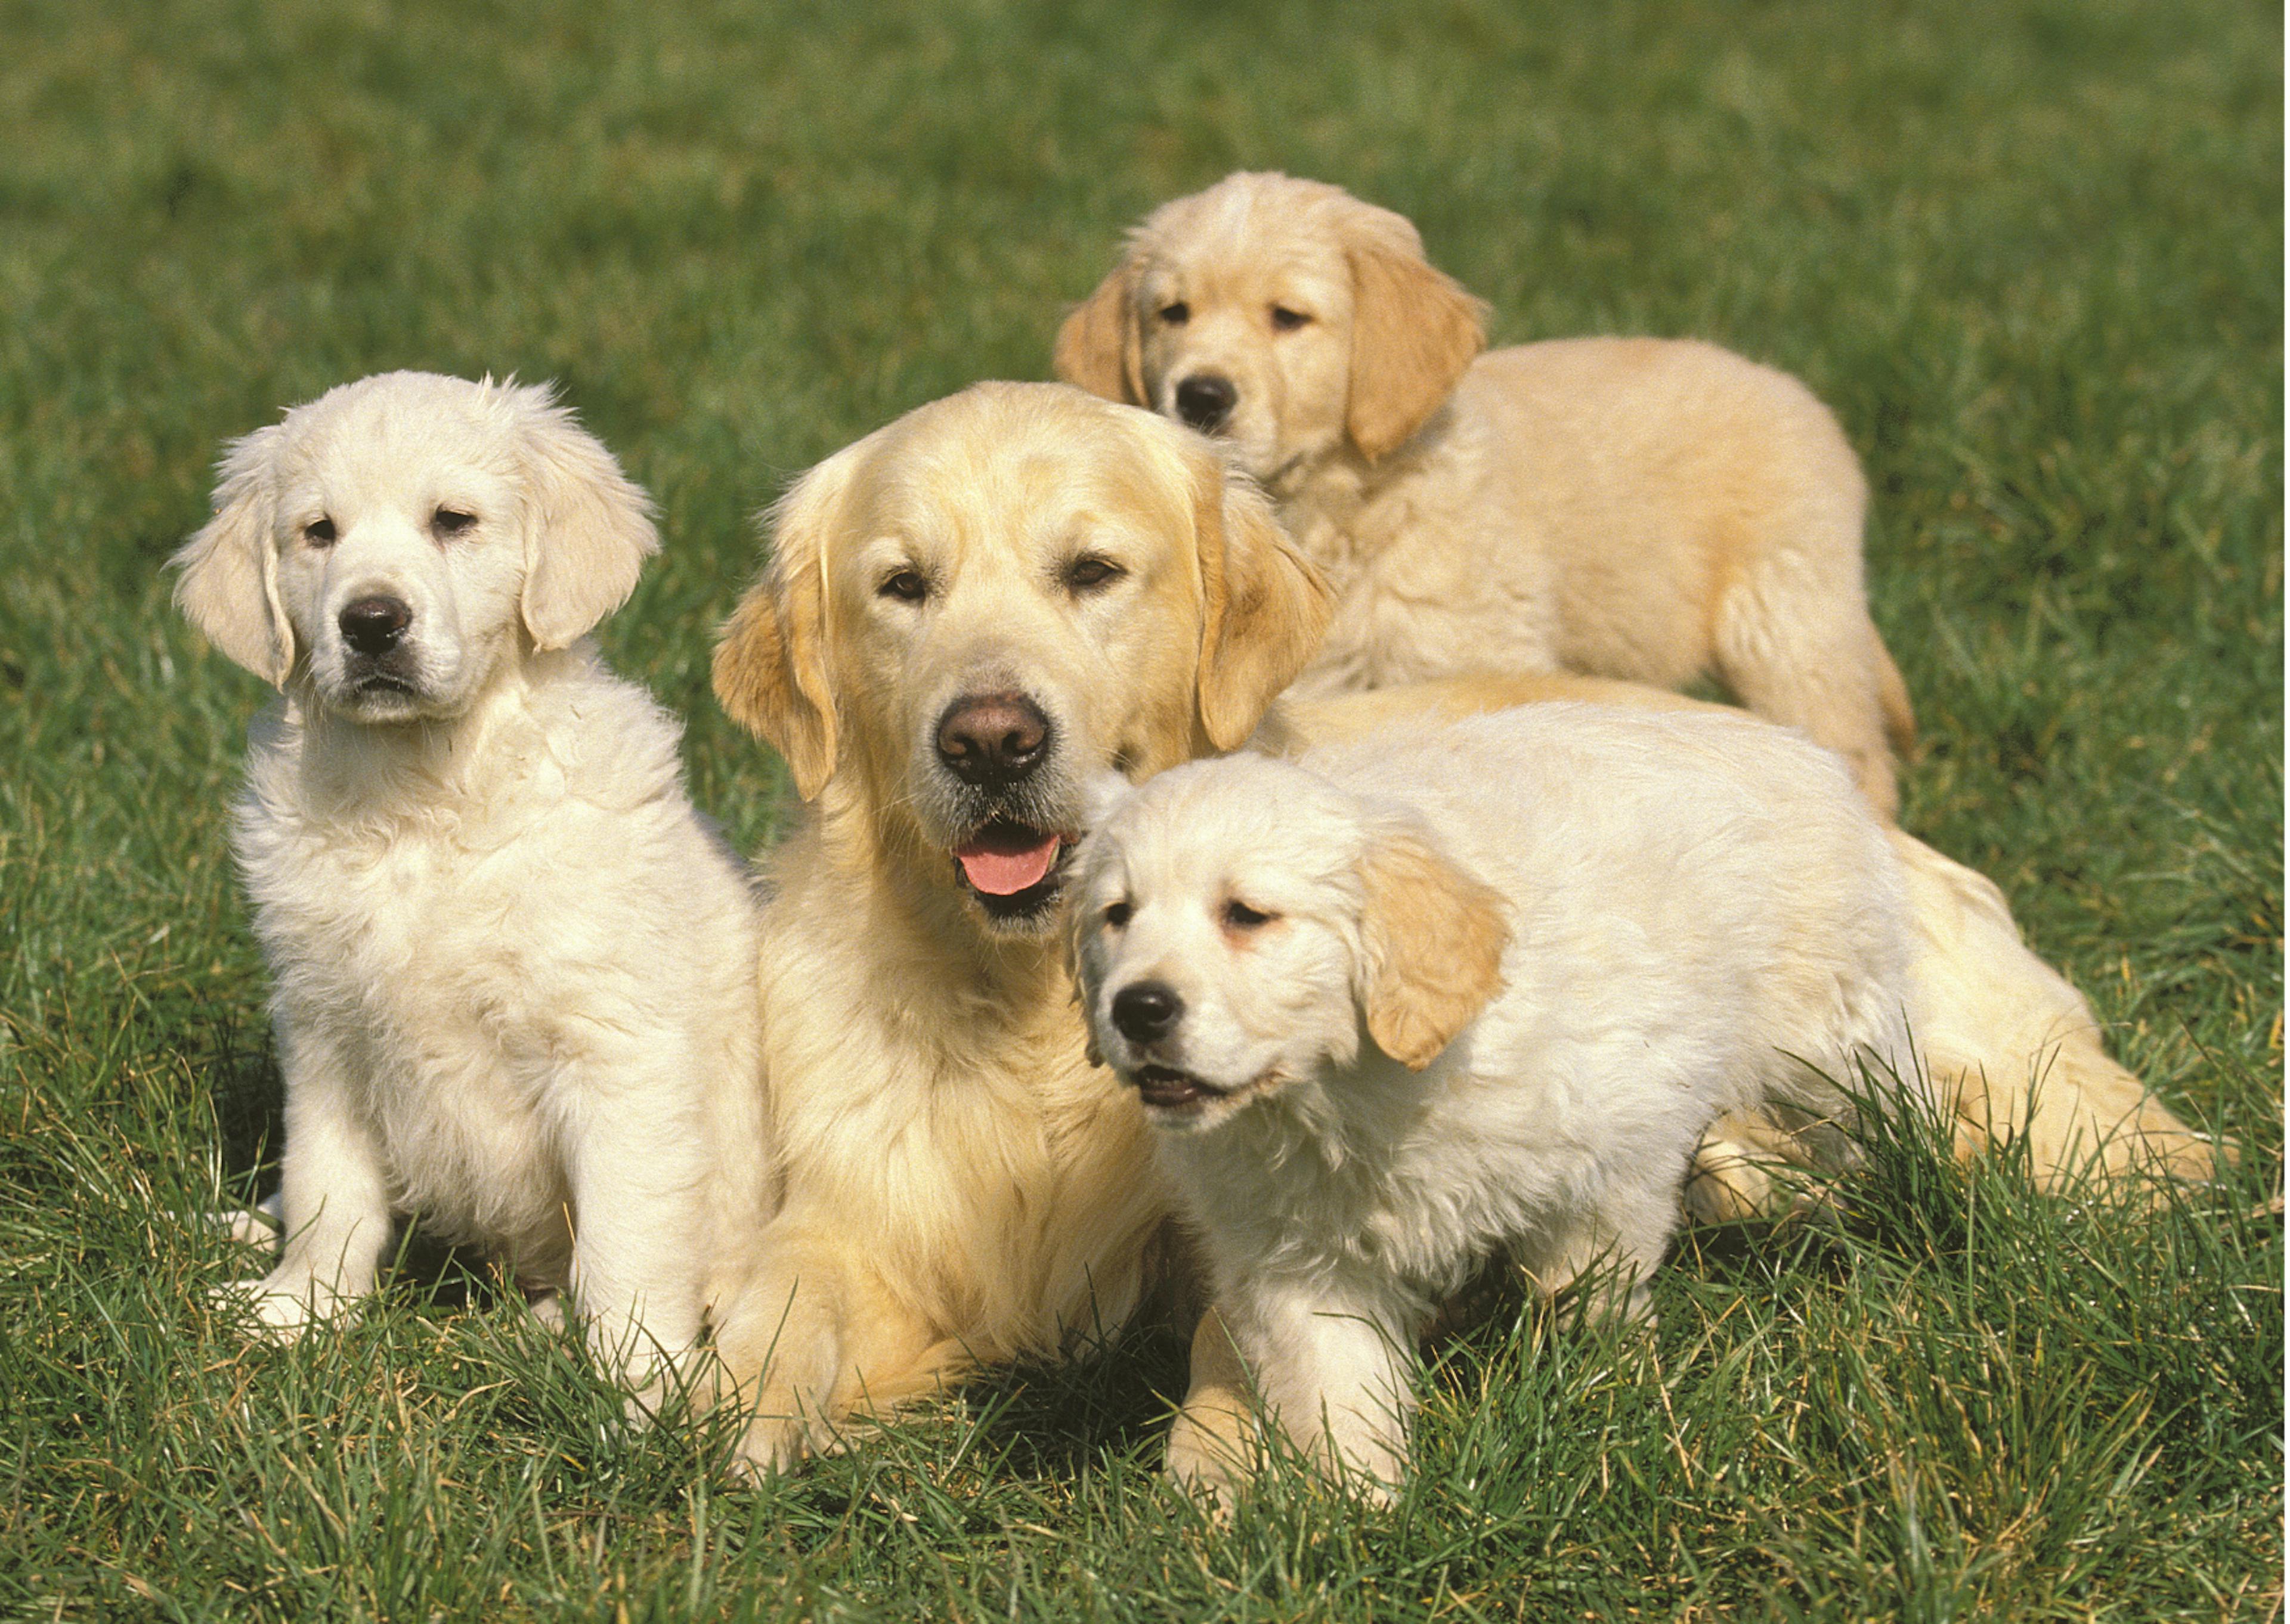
1089	573
1239	916
452	521
1117	914
1177	314
907	585
319	532
1288	320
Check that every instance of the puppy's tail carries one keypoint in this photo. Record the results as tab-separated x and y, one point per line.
2015	1050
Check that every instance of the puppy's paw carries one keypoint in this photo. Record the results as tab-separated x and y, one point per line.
774	1445
548	1311
260	1226
272	1311
1729	1185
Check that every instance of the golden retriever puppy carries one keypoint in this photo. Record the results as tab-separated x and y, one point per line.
514	972
1444	994
2017	1048
1409	1001
1633	507
967	617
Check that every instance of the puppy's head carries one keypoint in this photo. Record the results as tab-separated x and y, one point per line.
1285	315
970	613
391	543
1238	923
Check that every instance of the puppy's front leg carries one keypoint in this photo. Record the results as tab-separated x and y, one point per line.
638	1175
333	1190
1334	1375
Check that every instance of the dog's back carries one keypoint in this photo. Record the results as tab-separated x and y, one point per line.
1705	878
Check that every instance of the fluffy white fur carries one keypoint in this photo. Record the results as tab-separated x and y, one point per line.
961	1185
1632	507
514	972
1413	1001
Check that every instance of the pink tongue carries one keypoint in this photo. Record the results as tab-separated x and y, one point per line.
995	866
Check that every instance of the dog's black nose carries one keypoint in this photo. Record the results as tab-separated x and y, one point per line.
374	625
993	739
1206	400
1145	1010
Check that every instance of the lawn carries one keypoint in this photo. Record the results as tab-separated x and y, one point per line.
2029	251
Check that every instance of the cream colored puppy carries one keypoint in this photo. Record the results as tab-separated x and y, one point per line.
514	971
1428	996
969	617
1634	508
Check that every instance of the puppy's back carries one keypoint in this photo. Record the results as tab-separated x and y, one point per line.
1687	872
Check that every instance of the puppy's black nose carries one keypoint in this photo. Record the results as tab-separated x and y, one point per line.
993	739
1145	1010
1206	400
374	625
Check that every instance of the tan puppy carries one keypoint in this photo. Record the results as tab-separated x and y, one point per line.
968	616
1633	507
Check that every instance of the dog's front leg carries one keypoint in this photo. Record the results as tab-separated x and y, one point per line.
638	1175
1212	1447
333	1190
813	1335
1333	1374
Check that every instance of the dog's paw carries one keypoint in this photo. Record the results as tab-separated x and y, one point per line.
774	1443
267	1312
1729	1184
260	1226
1209	1456
548	1311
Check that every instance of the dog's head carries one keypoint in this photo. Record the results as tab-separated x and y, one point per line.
971	614
1285	316
1238	923
391	543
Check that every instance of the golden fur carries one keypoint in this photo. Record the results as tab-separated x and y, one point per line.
959	1183
1631	508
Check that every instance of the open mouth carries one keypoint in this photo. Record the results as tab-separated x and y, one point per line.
1012	868
383	681
1167	1088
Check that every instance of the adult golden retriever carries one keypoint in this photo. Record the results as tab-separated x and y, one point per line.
967	617
1633	507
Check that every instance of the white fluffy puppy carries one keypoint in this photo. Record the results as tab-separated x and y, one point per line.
1634	508
1419	999
514	971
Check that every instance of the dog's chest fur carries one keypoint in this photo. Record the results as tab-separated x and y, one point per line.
941	1113
428	923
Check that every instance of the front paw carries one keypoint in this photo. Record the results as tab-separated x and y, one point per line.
776	1442
280	1307
1212	1453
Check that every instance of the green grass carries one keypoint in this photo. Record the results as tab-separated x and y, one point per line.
2029	251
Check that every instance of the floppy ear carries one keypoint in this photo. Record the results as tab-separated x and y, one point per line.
1099	348
230	585
771	658
1414	330
1432	941
1263	607
588	528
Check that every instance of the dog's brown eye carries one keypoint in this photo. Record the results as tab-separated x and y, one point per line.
1288	320
319	532
450	521
1088	575
1117	914
1178	314
907	585
1239	916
